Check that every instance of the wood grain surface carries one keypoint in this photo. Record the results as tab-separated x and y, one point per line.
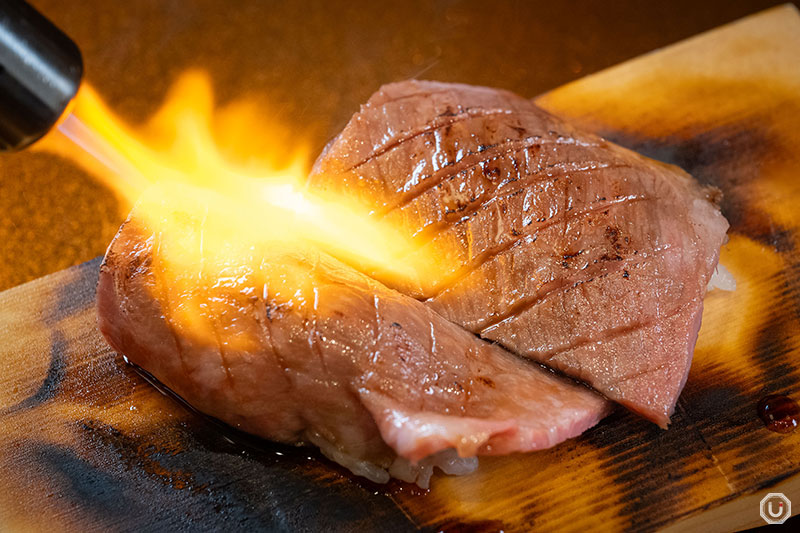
87	444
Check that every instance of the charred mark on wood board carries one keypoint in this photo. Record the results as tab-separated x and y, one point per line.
203	478
234	465
720	389
728	157
773	353
472	526
52	380
77	294
98	491
646	465
145	458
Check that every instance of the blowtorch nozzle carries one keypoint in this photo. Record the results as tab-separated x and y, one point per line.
40	72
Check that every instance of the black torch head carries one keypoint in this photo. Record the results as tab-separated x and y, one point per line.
40	71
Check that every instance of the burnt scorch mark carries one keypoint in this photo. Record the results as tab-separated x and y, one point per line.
474	526
620	244
306	491
450	112
77	294
728	157
646	465
145	457
77	481
774	353
53	379
487	381
790	293
192	475
714	392
154	489
721	404
492	173
567	257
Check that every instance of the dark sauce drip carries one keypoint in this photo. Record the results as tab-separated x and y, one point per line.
779	413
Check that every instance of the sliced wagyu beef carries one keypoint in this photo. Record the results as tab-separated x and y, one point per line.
289	344
559	245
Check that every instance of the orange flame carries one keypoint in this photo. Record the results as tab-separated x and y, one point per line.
178	157
224	209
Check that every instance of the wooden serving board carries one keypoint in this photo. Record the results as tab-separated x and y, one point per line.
87	444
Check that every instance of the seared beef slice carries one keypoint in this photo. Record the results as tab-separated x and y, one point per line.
557	244
291	345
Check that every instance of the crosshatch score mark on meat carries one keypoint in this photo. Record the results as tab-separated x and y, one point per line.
555	244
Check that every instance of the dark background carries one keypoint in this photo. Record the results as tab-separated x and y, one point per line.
311	64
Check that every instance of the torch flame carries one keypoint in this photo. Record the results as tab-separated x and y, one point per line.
177	157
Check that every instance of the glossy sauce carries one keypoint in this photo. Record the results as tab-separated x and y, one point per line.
779	413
